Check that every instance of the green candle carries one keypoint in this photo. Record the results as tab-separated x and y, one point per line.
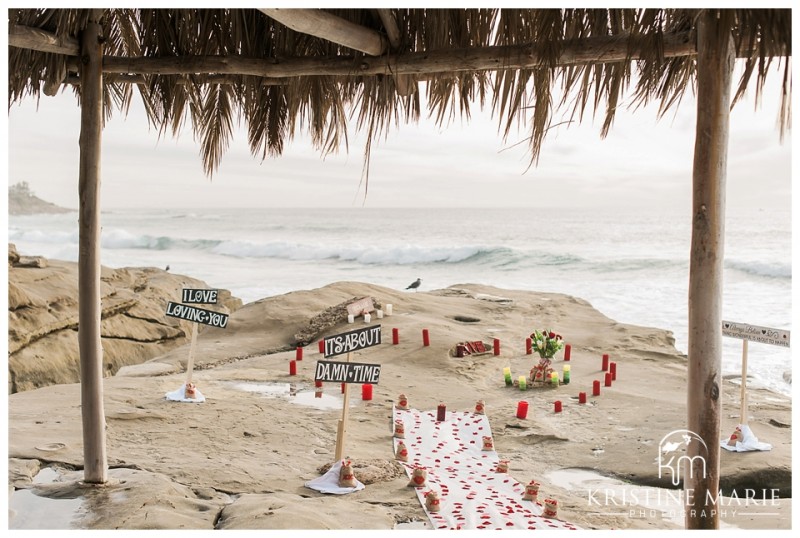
566	374
507	374
554	379
522	383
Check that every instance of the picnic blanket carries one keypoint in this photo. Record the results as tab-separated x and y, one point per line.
473	495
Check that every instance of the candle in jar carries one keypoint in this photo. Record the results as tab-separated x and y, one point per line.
522	409
366	391
441	411
567	369
522	383
388	309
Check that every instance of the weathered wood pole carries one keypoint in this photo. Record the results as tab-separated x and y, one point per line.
714	75
91	350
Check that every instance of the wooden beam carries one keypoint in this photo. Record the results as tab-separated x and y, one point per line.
25	37
327	26
715	62
595	50
113	78
89	308
405	84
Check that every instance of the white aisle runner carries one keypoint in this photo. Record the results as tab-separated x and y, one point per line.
472	494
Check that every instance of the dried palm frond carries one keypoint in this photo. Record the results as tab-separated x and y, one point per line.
274	111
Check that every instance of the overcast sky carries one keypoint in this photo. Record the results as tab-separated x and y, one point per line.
644	162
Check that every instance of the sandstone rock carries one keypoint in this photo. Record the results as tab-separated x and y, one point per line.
13	257
43	319
31	261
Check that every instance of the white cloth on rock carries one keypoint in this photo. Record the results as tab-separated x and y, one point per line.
180	395
329	482
748	443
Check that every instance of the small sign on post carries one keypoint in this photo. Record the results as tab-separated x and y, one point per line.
348	372
195	315
350	341
756	333
752	333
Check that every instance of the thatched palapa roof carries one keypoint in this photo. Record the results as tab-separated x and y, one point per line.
283	70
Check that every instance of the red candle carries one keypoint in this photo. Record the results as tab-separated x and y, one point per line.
299	353
317	383
460	350
366	391
582	397
496	346
426	341
343	386
322	346
317	394
613	367
605	362
557	406
528	346
567	351
292	368
440	412
596	388
522	409
395	336
608	379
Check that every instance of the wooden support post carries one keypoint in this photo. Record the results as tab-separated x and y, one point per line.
341	431
89	308
743	419
714	76
190	364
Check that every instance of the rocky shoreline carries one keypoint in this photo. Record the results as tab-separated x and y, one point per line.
240	459
43	318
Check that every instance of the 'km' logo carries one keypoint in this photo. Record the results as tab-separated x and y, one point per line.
673	454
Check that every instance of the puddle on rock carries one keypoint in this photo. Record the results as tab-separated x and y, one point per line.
413	526
27	510
301	396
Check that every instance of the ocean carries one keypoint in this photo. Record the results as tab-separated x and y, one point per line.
633	267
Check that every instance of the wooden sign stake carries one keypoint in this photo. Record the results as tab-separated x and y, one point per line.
341	432
744	382
190	364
